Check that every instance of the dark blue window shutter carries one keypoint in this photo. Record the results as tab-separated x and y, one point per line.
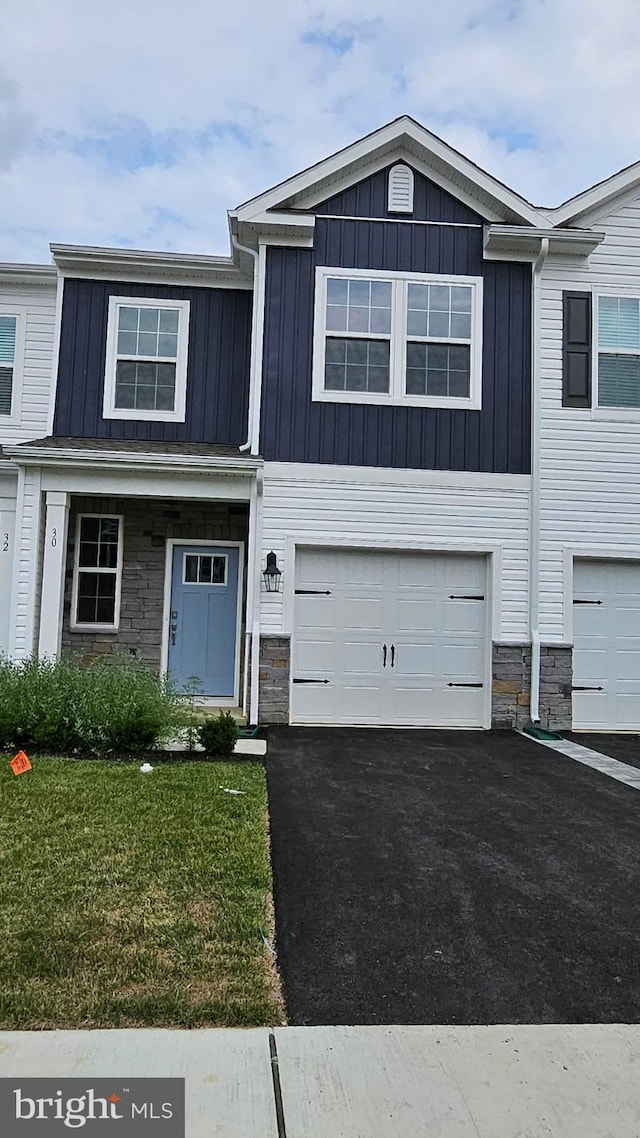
576	349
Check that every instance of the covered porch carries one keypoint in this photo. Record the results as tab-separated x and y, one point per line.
148	550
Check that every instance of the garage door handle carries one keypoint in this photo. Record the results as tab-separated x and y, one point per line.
296	681
587	689
393	655
464	597
587	602
465	685
384	655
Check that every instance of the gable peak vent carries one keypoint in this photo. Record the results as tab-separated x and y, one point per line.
400	189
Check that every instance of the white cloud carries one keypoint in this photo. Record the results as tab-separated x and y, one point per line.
142	123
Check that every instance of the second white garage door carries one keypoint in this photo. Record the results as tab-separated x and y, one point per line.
390	638
606	655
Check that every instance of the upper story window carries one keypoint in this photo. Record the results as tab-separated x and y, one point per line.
11	343
618	343
146	368
397	338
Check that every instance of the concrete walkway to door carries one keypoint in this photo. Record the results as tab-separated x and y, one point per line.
446	877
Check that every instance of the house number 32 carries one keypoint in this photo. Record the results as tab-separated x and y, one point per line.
5	543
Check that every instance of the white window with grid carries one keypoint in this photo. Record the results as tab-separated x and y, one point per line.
146	366
97	573
618	352
397	338
11	353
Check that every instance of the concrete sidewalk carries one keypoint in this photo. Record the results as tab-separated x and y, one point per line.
368	1082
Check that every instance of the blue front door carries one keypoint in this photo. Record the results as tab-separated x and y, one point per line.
203	618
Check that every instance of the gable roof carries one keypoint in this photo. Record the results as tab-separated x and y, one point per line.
596	198
403	138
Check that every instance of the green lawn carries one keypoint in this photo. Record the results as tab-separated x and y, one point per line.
135	900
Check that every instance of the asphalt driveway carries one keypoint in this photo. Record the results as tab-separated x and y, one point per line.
451	877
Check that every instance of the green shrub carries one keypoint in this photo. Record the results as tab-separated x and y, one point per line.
218	735
63	706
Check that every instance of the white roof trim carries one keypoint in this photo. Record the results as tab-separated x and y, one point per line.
502	240
146	265
402	134
593	199
134	460
28	274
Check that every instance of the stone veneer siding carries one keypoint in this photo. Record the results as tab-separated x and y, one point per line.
147	523
275	659
511	686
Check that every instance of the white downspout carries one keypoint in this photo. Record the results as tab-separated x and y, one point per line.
254	552
257	335
255	627
534	513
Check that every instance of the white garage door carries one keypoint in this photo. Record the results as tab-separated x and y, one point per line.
389	638
606	655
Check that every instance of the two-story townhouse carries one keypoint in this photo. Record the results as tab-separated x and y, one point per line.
396	288
586	556
346	400
27	331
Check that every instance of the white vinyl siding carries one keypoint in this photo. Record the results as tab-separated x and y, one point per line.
590	458
405	510
33	308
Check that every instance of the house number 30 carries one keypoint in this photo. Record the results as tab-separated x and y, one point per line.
54	537
5	543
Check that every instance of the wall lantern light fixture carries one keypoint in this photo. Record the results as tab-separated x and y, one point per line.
272	576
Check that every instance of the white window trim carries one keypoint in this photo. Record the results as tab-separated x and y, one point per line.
20	314
398	338
109	409
206	584
610	414
74	625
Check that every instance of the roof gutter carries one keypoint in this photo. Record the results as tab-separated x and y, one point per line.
534	507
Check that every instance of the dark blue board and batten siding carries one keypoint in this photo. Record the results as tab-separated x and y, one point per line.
295	429
217	370
369	199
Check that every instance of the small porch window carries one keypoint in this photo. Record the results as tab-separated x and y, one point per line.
146	367
97	573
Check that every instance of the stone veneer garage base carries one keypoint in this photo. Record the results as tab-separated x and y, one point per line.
511	684
511	688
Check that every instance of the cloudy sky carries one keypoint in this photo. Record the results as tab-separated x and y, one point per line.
140	122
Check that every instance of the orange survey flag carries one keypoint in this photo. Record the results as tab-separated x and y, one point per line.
20	763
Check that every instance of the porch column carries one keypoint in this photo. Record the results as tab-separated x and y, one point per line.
53	573
7	532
